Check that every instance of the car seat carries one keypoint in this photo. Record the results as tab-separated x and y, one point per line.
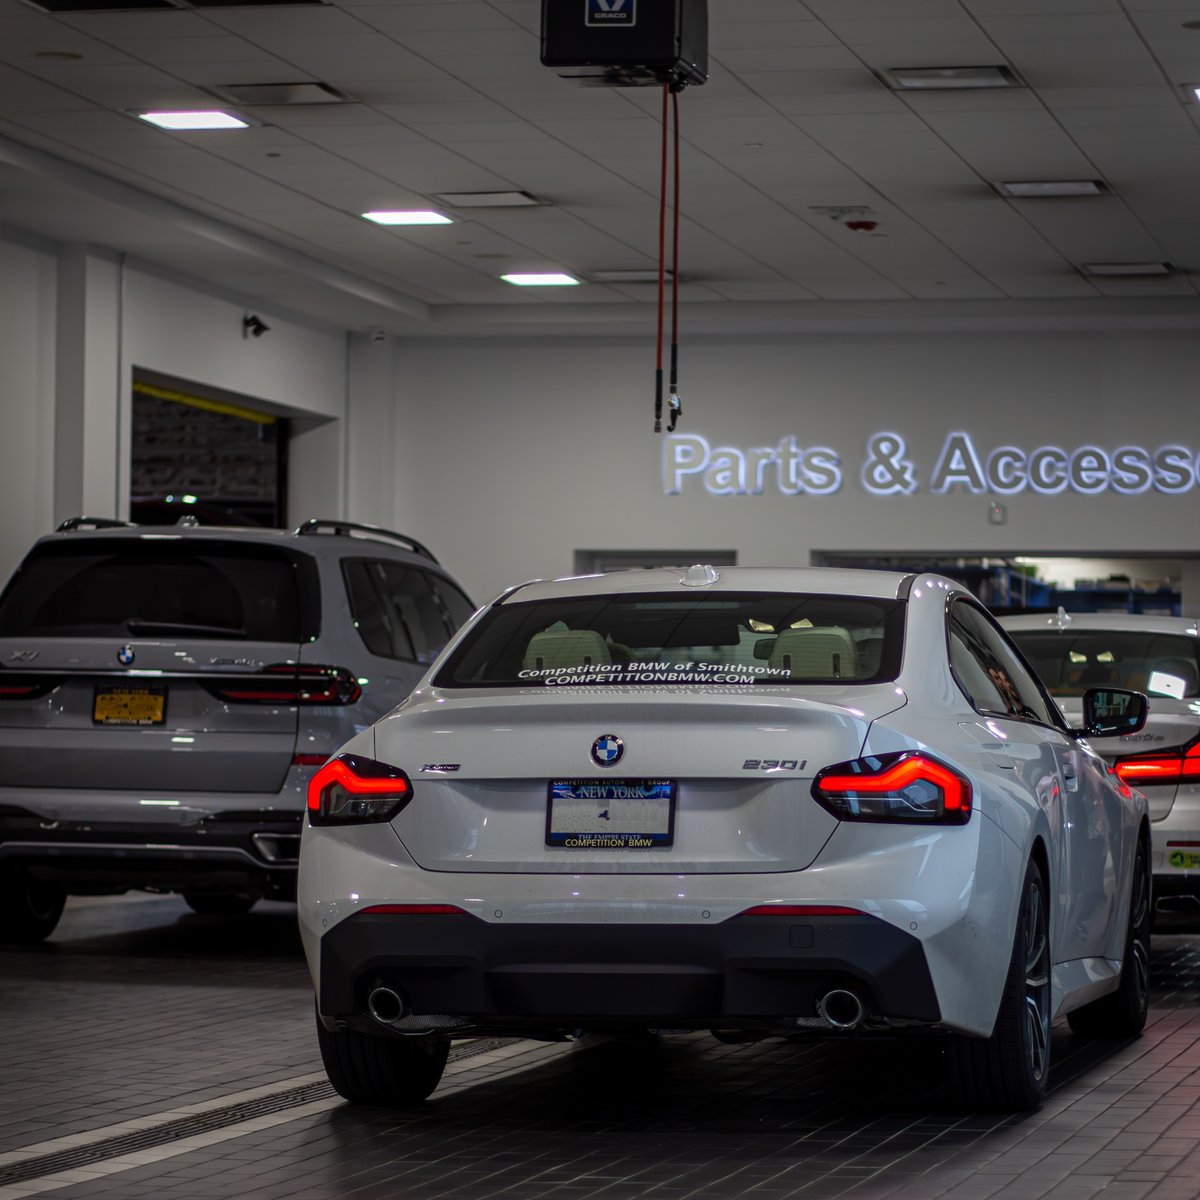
817	653
566	648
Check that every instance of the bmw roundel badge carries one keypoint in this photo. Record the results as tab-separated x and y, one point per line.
125	655
607	750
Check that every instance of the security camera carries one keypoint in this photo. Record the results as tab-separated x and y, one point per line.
253	325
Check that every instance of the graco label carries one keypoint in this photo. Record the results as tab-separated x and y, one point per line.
611	12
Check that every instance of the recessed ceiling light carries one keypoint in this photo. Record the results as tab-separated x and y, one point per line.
1193	92
487	199
1039	188
928	79
210	119
548	280
416	217
1128	268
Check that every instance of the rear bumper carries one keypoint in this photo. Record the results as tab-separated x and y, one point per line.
1180	884
758	970
242	852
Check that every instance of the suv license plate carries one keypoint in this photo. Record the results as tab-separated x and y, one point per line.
610	814
129	706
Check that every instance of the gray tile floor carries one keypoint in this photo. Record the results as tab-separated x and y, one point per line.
147	1051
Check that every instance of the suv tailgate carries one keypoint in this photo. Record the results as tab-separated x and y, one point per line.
130	664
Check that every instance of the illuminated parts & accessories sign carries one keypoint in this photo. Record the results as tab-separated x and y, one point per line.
887	468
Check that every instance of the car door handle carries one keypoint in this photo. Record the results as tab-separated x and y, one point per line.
1069	776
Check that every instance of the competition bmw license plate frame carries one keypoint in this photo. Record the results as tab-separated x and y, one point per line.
610	814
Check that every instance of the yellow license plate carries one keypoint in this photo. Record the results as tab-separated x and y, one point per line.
129	706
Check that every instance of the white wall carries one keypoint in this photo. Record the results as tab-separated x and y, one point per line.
27	322
511	457
183	331
76	321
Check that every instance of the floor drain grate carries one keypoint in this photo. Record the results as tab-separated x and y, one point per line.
185	1127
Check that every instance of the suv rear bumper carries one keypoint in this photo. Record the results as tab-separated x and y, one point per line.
762	970
244	852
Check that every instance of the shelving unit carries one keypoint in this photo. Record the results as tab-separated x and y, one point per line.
1004	587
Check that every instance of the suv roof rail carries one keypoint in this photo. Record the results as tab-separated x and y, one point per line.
93	523
346	528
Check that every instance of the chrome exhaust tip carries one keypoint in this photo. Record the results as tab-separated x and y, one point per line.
842	1009
386	1005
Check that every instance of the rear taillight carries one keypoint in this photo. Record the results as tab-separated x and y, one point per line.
908	788
352	790
289	683
25	687
1178	765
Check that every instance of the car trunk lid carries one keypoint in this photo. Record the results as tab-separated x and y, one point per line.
704	780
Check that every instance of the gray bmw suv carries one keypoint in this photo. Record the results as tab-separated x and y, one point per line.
167	691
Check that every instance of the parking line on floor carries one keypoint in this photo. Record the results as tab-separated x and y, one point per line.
485	1058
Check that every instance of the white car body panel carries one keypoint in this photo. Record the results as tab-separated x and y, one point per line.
1174	808
954	889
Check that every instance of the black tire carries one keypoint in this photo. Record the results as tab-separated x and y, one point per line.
1007	1072
384	1072
1123	1013
219	904
29	910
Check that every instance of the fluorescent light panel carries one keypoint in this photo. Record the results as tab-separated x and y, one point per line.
206	119
929	79
547	280
1036	189
416	217
487	199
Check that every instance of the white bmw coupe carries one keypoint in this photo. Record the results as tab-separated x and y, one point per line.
757	802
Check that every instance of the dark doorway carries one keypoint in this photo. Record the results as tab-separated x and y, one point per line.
219	459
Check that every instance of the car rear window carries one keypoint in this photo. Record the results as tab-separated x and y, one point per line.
1161	664
162	586
652	639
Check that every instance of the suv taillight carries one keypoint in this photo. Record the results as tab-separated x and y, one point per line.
352	790
1181	764
290	683
25	687
908	788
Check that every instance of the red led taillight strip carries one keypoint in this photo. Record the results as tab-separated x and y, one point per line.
338	771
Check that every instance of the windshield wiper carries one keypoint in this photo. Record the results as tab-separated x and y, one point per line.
138	625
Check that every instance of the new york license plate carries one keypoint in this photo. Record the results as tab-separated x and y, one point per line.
610	814
129	706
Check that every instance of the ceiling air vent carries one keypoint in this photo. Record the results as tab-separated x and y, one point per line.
84	6
247	3
88	6
252	94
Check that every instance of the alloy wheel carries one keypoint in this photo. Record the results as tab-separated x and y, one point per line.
1139	920
1037	980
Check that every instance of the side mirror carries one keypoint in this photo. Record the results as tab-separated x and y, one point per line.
1111	712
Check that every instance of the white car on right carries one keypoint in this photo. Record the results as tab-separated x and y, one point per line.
1157	655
